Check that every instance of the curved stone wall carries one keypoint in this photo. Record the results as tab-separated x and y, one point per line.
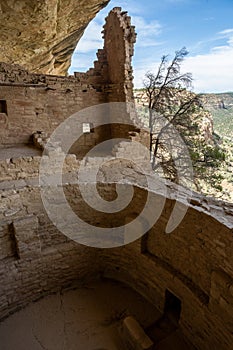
194	262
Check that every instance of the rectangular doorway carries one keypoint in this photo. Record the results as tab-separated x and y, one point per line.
172	307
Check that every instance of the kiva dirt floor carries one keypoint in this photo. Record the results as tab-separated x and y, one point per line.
87	318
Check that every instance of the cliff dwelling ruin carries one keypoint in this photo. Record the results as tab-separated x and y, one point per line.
155	290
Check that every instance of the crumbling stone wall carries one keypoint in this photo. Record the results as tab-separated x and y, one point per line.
113	66
119	39
26	168
41	102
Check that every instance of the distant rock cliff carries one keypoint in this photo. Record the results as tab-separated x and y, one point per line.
215	117
221	107
205	120
42	35
218	101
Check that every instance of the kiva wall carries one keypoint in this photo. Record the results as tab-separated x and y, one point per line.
194	262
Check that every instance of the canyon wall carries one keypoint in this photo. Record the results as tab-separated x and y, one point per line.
42	35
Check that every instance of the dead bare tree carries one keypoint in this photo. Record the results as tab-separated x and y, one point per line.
171	106
166	100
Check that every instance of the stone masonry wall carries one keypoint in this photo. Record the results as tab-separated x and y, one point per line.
41	102
193	262
43	106
35	258
119	39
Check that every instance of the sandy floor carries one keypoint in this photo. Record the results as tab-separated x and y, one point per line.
19	151
87	318
81	319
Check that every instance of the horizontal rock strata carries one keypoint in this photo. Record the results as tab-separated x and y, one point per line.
42	35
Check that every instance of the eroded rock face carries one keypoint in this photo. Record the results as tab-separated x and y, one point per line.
42	35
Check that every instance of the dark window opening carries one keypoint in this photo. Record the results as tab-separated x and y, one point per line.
144	240
3	106
172	307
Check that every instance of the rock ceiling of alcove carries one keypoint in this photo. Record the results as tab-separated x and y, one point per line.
41	35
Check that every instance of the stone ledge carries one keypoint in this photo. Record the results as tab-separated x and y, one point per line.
135	336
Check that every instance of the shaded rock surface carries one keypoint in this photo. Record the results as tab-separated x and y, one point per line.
42	35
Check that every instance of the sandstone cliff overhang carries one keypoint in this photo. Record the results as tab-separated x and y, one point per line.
42	35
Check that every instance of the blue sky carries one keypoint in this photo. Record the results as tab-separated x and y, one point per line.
205	27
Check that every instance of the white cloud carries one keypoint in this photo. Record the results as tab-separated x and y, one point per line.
146	28
146	31
85	52
141	68
92	38
131	6
213	72
226	31
146	34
